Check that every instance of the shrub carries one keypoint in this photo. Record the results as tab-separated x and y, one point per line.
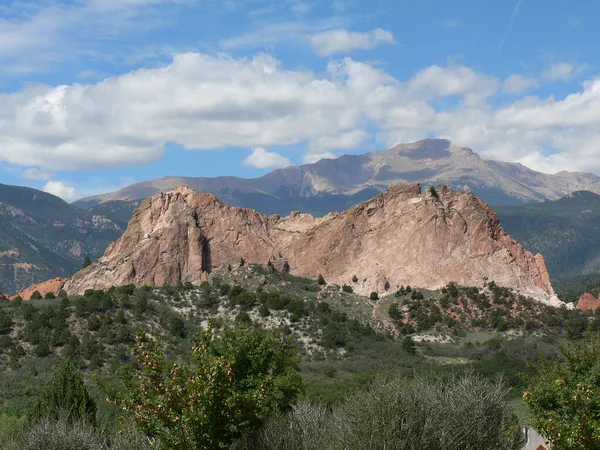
51	434
347	289
459	412
374	296
321	280
50	295
433	193
354	279
36	295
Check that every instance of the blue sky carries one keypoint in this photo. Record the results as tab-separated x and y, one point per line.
99	94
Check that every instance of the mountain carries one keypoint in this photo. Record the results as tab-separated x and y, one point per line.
402	236
337	184
566	231
42	237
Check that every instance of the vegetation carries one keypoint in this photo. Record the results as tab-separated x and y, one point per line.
247	322
234	382
49	235
444	413
565	231
564	396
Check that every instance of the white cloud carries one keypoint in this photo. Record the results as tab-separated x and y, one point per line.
331	42
274	33
35	36
61	190
311	158
209	102
516	83
562	71
260	158
34	173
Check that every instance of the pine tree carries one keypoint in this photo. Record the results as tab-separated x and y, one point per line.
66	397
87	261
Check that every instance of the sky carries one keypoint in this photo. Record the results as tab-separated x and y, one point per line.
98	94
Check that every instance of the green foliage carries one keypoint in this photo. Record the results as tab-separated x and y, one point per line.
233	383
347	289
433	193
354	279
564	396
66	397
374	296
36	295
321	280
87	261
565	231
6	322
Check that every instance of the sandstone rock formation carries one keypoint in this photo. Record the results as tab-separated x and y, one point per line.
587	302
402	236
54	286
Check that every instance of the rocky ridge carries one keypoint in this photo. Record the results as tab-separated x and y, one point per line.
402	236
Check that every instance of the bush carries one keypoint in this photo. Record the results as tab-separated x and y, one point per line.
321	280
466	412
36	295
51	434
354	279
347	289
374	296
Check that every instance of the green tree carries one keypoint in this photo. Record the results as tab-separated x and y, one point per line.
374	296
321	280
564	396
233	382
6	322
35	296
66	398
87	261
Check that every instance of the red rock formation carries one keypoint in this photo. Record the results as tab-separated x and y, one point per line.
587	302
54	286
402	236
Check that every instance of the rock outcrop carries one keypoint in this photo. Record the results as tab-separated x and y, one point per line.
54	286
402	236
587	302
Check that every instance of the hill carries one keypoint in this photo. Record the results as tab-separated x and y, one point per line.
44	237
346	340
337	184
566	231
402	236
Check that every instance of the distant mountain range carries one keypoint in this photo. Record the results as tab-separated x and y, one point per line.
565	231
42	236
336	184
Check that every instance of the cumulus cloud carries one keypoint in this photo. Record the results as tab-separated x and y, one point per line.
210	102
260	158
331	42
516	83
60	189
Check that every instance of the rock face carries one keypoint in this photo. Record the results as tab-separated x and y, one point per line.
402	236
54	286
587	302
